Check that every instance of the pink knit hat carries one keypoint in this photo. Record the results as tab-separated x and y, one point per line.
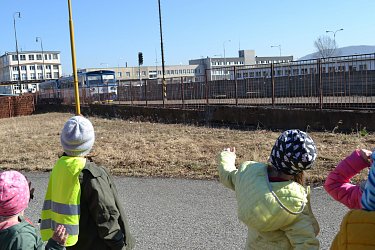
14	193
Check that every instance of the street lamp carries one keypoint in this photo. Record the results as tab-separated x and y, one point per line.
41	45
225	63
334	33
225	60
277	46
18	56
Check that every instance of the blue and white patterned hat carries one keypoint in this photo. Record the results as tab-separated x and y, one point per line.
368	196
293	152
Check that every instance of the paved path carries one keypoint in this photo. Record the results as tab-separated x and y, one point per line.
190	214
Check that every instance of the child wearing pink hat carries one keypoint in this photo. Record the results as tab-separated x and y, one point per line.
15	232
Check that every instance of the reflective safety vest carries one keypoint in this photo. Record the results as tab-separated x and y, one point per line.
62	201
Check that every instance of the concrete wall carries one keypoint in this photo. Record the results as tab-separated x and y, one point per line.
230	116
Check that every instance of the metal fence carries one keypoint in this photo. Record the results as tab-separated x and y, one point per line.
338	82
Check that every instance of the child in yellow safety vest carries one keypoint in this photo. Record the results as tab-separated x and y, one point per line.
82	195
15	231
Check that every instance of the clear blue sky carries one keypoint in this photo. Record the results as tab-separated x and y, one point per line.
113	32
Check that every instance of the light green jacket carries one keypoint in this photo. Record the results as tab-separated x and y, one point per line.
277	214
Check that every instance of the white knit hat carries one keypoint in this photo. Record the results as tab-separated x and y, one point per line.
77	136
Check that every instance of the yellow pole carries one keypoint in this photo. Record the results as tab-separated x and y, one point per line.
73	51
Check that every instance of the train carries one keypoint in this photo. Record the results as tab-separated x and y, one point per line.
94	86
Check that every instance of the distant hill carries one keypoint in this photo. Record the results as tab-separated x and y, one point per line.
345	51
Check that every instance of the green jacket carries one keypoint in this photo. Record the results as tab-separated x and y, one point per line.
103	224
277	214
24	236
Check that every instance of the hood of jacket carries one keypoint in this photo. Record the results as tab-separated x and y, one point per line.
263	205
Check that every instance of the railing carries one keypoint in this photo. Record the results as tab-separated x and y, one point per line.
338	82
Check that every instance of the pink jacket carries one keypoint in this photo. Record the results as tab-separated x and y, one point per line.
338	181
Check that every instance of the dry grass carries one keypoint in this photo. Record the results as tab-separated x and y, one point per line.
149	149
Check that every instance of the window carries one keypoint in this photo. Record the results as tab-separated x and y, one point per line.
127	74
48	66
24	76
14	58
38	57
40	76
363	67
32	76
57	67
39	67
22	57
23	67
15	68
15	77
48	76
118	73
31	57
55	56
143	73
56	75
50	56
32	67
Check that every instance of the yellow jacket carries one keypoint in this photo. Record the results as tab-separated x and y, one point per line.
356	231
277	214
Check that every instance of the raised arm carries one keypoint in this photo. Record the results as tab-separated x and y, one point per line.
227	168
338	181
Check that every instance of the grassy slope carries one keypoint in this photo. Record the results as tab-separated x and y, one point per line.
150	149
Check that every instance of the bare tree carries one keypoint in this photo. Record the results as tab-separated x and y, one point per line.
325	46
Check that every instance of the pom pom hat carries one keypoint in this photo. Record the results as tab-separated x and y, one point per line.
14	193
293	152
77	136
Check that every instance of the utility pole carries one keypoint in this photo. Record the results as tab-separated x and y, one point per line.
162	58
18	56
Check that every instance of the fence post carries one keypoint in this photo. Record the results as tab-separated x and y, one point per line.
273	83
146	95
235	84
320	84
131	93
182	92
206	83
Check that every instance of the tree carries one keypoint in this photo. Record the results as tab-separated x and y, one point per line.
325	46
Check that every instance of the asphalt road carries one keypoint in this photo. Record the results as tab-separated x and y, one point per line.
190	214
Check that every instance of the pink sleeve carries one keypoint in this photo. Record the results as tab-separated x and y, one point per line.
338	181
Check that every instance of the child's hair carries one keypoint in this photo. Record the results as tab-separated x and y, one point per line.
14	193
368	196
294	151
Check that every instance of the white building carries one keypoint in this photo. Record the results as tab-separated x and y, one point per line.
34	66
219	68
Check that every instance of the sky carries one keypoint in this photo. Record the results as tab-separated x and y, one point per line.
111	33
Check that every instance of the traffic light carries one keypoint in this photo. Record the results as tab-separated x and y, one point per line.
140	58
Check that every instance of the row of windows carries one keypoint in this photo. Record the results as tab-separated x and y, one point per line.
217	63
271	61
38	67
297	71
33	76
167	72
32	57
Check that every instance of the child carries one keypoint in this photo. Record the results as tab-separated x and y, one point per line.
15	232
271	198
357	227
338	183
83	196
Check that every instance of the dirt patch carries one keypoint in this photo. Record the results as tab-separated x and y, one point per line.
134	148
